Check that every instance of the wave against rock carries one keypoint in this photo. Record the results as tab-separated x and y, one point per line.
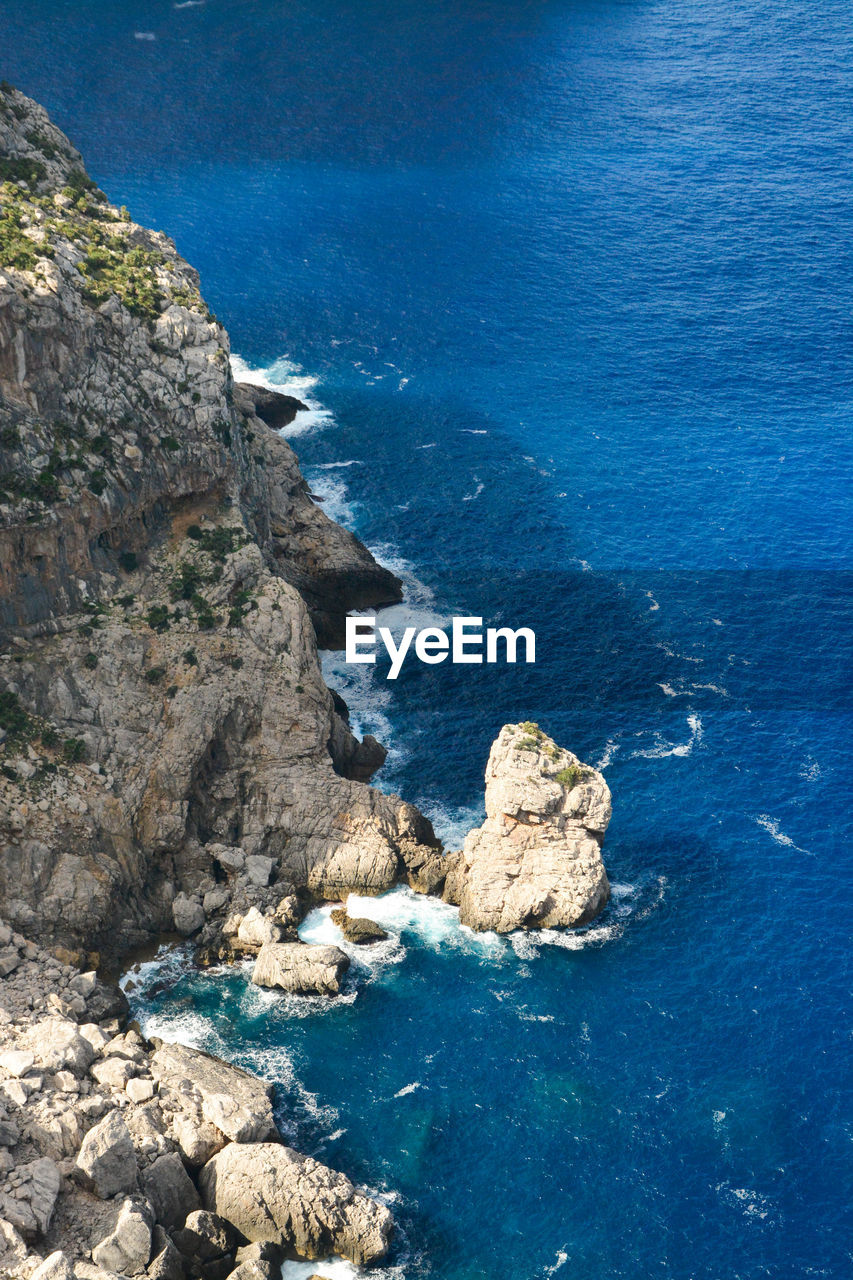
536	860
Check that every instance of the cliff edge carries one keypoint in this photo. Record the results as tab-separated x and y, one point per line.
164	579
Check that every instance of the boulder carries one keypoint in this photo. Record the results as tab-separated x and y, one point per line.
17	1062
30	1209
106	1163
187	914
139	1090
55	1267
257	1270
9	1132
230	859
234	1102
259	869
57	1045
170	1190
13	1250
255	930
166	1263
536	860
127	1248
425	867
304	970
114	1072
273	1193
358	929
206	1243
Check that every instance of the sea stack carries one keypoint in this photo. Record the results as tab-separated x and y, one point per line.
536	861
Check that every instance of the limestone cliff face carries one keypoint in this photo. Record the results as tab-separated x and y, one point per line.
536	860
164	575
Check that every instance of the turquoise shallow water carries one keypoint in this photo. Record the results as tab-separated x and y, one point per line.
570	283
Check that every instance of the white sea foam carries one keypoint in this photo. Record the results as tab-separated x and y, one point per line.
810	770
434	923
671	653
560	1261
368	700
334	1268
771	826
291	380
451	825
673	693
334	466
663	749
751	1203
334	495
144	35
469	497
408	1088
366	960
610	749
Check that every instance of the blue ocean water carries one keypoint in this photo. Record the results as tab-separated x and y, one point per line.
571	281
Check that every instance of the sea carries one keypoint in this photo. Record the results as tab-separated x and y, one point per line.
566	286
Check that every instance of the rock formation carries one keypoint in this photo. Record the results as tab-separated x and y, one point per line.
170	757
536	860
301	969
358	929
136	1158
167	743
273	1193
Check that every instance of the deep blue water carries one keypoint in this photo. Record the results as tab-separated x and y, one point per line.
573	280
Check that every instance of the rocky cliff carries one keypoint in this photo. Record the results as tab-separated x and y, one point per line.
164	579
535	863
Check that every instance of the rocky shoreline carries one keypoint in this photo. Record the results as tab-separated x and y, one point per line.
172	762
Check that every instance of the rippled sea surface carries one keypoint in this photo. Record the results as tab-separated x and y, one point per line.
567	286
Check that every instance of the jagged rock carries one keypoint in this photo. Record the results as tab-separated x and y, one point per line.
54	1267
57	1045
207	1243
425	867
234	1102
255	929
17	1062
260	1251
188	914
170	1190
230	859
304	970
139	1090
259	870
13	1250
127	1248
92	1032
107	1160
536	860
258	1270
274	408
358	929
289	911
272	1193
9	1132
114	1072
30	1210
166	1263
